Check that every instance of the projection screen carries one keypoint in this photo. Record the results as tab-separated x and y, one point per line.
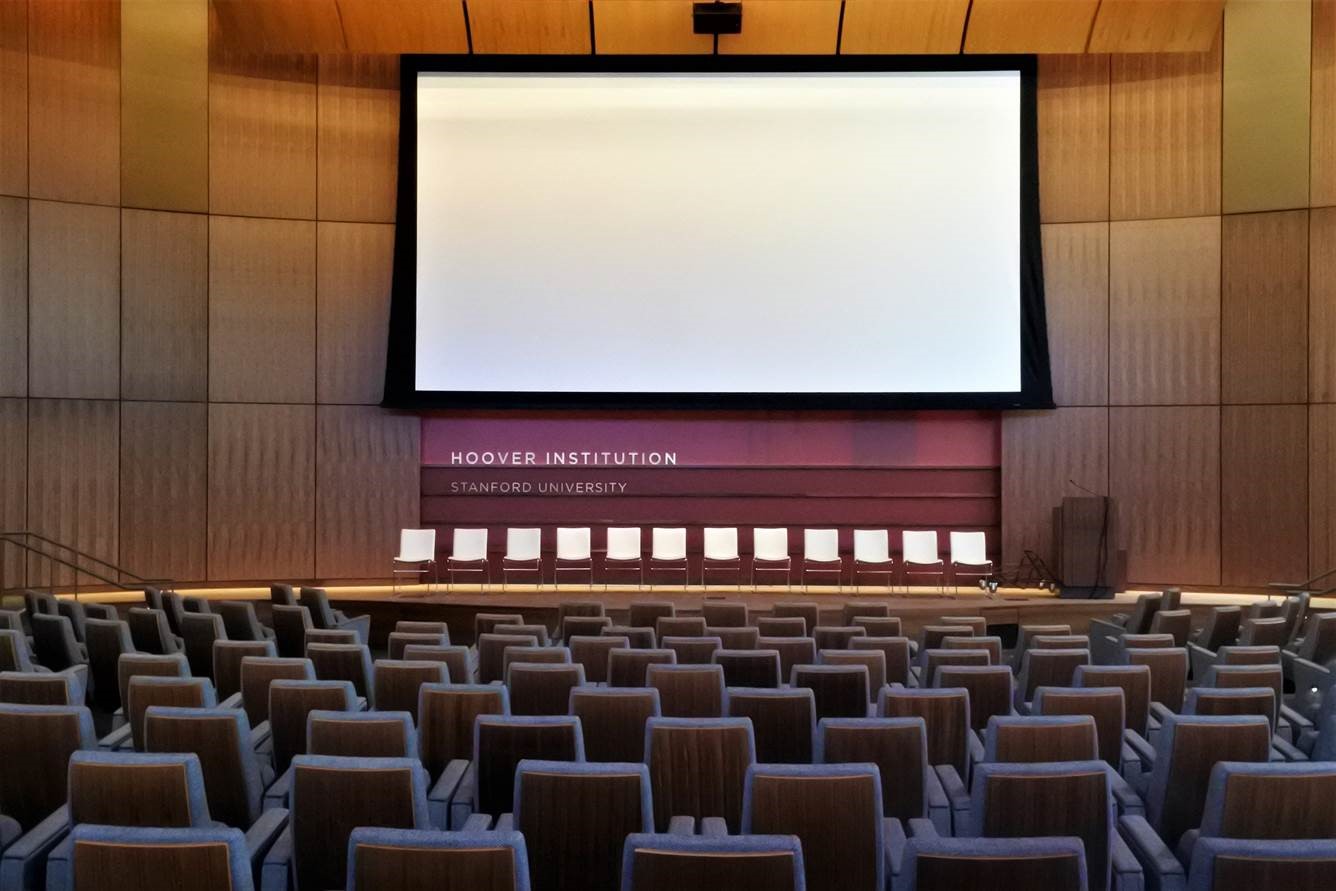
733	237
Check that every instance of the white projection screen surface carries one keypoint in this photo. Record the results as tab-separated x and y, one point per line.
762	233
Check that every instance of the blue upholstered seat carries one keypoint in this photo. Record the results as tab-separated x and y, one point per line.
665	862
120	854
938	864
428	855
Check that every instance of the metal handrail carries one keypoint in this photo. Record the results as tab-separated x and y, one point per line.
17	539
73	550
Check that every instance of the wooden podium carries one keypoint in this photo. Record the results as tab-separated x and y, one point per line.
1089	557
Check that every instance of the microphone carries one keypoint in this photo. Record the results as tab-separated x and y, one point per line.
1072	482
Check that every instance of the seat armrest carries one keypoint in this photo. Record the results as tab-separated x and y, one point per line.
443	793
1127	872
973	748
939	806
921	828
1141	749
60	865
957	794
1307	740
262	835
277	794
1287	750
117	739
276	872
1298	723
894	833
233	701
1157	862
9	831
477	823
504	823
1201	659
80	675
25	859
682	825
713	827
1160	712
361	625
466	795
260	735
1129	802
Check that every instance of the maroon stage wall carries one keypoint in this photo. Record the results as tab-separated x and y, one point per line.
915	470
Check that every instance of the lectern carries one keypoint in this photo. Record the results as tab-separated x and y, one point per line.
1089	557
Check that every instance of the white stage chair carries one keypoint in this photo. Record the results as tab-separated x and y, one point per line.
573	553
872	549
770	553
969	556
624	550
417	555
721	552
821	553
468	553
524	553
668	550
920	556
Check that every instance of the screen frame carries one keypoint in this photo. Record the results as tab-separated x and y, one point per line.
401	355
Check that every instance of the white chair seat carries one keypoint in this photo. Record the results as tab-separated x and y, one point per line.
468	553
524	553
721	552
624	550
821	553
668	551
574	553
872	548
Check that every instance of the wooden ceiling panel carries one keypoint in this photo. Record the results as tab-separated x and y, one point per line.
1156	26
786	26
280	26
1029	26
404	26
530	26
903	26
646	26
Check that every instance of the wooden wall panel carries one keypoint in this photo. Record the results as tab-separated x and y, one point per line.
280	26
404	26
13	486
1153	26
647	26
1164	312
73	464
13	297
1321	488
164	305
261	310
262	135
1076	289
786	26
1029	26
1264	307
903	26
1041	451
358	137
529	26
261	492
74	300
1263	494
368	461
353	311
1164	154
164	481
1073	138
74	76
164	104
13	97
1164	469
1322	305
1323	105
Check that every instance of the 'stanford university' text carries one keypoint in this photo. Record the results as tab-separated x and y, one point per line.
563	459
460	487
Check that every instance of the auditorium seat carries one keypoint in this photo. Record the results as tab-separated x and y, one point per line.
398	683
952	745
692	650
484	623
345	662
501	742
227	658
863	609
749	668
290	706
646	613
14	658
199	631
991	690
723	614
1033	739
1133	680
542	688
456	658
663	862
134	663
110	858
1047	668
698	768
325	617
1168	678
1175	622
679	626
878	626
291	625
836	637
591	652
781	626
1263	632
977	624
689	691
79	614
936	863
533	655
1061	642
932	661
54	645
806	610
581	626
734	638
910	788
241	622
873	660
628	667
585	609
150	632
410	626
258	673
1107	707
1309	665
39	603
41	688
638	638
613	721
174	607
1228	864
532	629
835	810
145	691
350	733
896	651
792	651
931	636
1027	632
281	594
446	717
783	721
1220	630
423	860
575	819
397	640
992	644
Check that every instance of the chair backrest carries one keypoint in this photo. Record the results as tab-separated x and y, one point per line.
40	603
1174	622
624	544
945	710
781	626
1263	632
919	546
501	742
227	658
645	613
1168	673
1221	628
735	638
446	715
1186	749
991	690
538	688
592	653
854	610
173	605
841	691
358	734
783	721
397	640
74	611
423	859
1133	680
281	594
688	691
1146	641
40	688
1048	668
333	796
836	637
698	767
1143	612
39	740
808	611
199	631
144	692
316	602
821	545
969	548
575	819
398	683
492	652
484	623
408	626
524	544
993	646
546	655
240	621
613	721
291	704
627	667
943	864
1059	642
1248	655
578	625
258	672
895	649
54	642
135	664
721	543
668	544
469	545
873	659
109	858
149	631
14	651
456	659
770	543
1270	800
1032	739
417	545
1296	613
220	738
1227	676
585	608
872	546
1106	706
291	623
931	636
723	614
679	626
899	748
692	650
933	660
640	638
1319	643
1070	798
1232	701
670	862
749	668
106	640
137	789
792	651
1235	864
979	624
344	662
834	809
573	543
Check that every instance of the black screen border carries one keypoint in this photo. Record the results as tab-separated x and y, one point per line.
401	358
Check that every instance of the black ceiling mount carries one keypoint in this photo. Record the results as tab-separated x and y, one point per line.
716	18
